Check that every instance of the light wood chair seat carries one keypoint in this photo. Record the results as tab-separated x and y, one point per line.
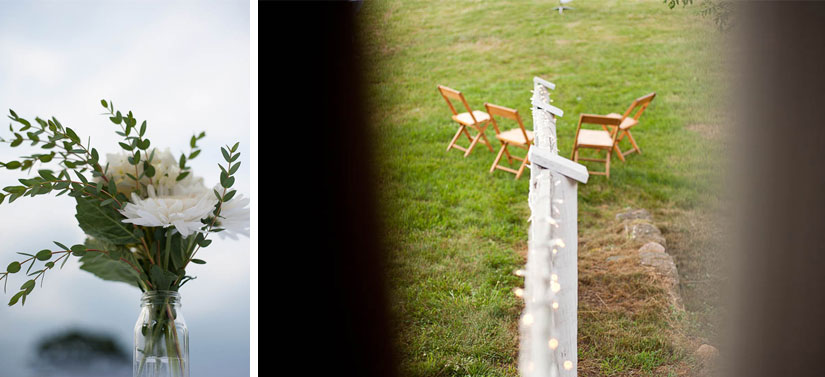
594	138
600	140
472	119
467	120
626	122
515	136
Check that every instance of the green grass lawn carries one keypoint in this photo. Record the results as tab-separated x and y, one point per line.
457	232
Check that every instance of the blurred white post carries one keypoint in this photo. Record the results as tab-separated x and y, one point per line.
548	326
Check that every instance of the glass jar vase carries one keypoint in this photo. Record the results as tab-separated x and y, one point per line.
161	337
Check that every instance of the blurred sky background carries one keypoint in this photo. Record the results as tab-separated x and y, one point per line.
183	67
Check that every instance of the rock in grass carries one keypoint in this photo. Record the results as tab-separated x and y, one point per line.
634	214
643	231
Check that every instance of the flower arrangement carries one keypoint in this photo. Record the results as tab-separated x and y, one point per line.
144	214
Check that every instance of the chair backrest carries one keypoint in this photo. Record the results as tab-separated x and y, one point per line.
508	113
601	120
640	103
448	93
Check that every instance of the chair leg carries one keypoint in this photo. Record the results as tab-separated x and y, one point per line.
632	141
574	156
607	164
521	168
489	145
507	152
455	138
473	144
498	158
618	150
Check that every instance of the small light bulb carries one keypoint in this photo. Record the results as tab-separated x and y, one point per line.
555	251
519	272
560	242
518	292
527	320
553	343
554	277
555	305
568	365
555	287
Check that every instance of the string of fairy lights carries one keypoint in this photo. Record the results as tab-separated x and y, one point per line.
541	350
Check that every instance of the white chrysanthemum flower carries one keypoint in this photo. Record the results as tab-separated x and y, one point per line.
166	171
234	217
184	211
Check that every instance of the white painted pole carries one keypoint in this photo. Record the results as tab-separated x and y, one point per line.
548	325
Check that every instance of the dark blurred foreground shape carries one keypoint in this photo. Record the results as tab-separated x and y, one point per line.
779	322
76	353
314	127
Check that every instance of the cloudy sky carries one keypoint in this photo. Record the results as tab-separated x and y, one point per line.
183	67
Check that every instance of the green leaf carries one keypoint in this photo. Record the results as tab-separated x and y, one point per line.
235	147
78	250
15	298
44	255
198	261
13	267
194	154
229	195
234	168
70	133
11	165
104	103
182	176
103	223
161	279
47	174
225	154
228	182
142	129
106	268
62	246
182	162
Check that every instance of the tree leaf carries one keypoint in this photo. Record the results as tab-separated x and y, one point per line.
13	267
103	223
104	267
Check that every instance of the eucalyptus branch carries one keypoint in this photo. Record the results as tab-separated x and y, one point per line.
227	180
57	134
194	151
45	255
133	144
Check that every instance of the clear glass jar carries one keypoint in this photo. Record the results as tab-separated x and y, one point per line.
161	337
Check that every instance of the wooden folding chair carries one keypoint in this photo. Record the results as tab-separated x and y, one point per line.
627	122
478	120
599	140
517	137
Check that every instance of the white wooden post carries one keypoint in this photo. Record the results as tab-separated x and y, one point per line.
548	325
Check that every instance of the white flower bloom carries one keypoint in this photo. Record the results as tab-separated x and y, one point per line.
182	210
234	217
166	171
